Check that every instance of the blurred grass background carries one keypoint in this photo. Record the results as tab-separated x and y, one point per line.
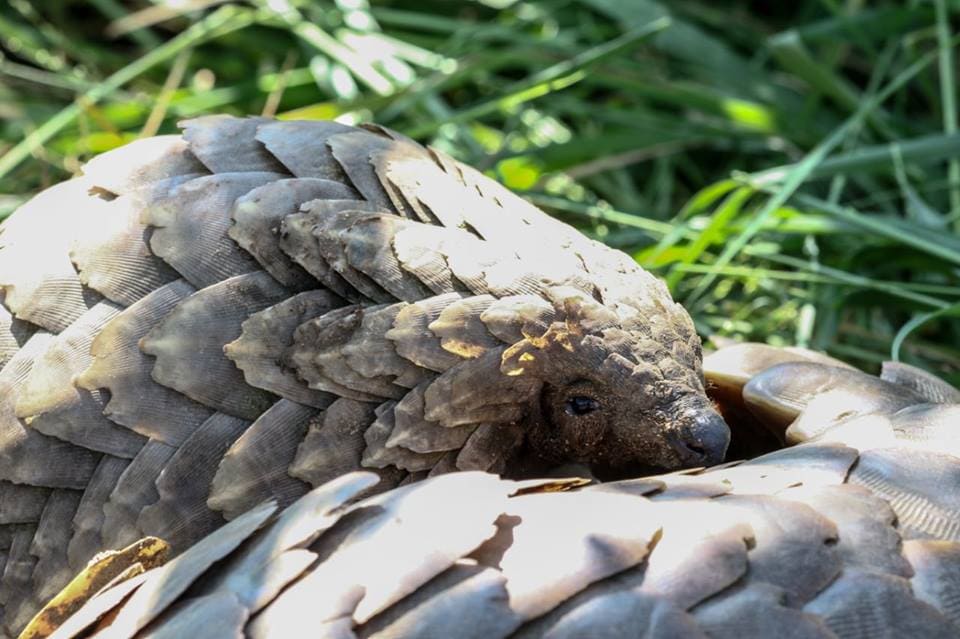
791	169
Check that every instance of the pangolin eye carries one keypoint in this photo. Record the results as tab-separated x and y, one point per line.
580	405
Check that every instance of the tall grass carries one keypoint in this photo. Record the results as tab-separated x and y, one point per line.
793	173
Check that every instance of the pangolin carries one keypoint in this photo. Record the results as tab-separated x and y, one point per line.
852	533
253	308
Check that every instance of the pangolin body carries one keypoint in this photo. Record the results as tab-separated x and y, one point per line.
202	322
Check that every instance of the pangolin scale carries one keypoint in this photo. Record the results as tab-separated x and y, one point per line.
214	326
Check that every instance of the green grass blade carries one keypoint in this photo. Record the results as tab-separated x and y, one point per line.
948	103
219	22
796	176
554	78
915	323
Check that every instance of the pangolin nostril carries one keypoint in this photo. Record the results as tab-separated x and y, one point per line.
697	450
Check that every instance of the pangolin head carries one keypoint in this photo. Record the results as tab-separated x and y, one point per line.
618	389
612	381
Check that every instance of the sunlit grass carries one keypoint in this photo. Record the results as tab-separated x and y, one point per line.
794	175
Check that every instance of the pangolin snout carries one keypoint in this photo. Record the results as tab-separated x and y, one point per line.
701	438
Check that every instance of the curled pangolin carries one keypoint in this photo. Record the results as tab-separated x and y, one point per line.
200	323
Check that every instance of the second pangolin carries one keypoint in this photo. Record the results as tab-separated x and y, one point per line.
199	323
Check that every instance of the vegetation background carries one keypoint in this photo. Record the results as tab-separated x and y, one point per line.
791	169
